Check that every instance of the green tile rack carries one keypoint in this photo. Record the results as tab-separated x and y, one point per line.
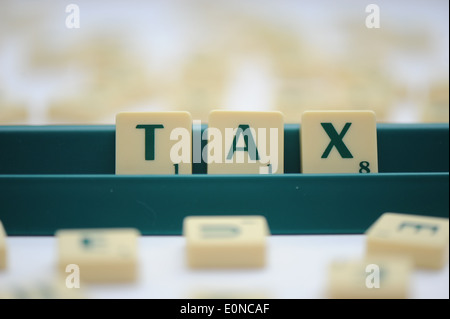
54	177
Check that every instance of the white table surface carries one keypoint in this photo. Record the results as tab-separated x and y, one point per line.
296	268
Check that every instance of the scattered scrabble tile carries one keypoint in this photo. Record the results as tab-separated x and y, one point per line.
7	295
436	109
245	142
377	278
41	290
117	79
153	143
230	294
88	108
12	112
339	142
2	247
225	241
424	239
101	255
202	84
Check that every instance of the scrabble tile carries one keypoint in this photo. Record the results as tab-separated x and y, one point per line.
52	289
153	143
339	142
7	295
12	112
375	278
436	109
424	239
203	83
102	255
225	241
242	142
2	247
241	293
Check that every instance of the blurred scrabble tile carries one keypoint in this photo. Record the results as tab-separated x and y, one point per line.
199	99
113	79
375	278
339	142
202	84
2	247
424	239
241	293
242	142
88	107
41	290
225	241
436	109
12	112
153	143
102	255
208	68
7	295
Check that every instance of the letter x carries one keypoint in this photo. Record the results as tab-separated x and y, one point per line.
336	140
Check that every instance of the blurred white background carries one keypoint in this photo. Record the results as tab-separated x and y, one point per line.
201	55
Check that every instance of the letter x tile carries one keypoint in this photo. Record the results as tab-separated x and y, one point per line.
339	142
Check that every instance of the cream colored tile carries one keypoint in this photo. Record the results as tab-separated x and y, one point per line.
13	112
229	294
375	278
242	142
153	143
53	289
2	247
436	108
339	142
424	239
102	255
7	295
225	241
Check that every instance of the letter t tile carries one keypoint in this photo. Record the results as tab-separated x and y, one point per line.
153	143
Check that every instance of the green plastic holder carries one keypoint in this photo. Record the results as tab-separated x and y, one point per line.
55	177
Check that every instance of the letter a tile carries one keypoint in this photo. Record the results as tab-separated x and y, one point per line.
371	278
241	142
339	142
153	143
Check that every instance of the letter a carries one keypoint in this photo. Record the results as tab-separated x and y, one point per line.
373	19
250	145
373	279
73	280
73	19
